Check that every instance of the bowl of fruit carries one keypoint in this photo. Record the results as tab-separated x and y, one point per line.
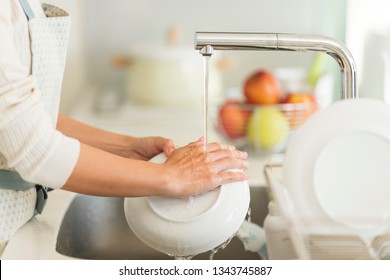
264	116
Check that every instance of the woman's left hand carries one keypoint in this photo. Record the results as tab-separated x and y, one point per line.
192	170
145	148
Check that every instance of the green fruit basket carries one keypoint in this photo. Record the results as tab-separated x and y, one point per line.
260	128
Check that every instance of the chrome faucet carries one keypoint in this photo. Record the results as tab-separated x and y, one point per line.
206	42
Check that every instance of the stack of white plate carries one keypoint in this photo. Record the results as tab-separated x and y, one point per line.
337	170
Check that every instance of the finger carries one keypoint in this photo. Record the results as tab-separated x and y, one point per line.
221	154
227	177
168	151
228	163
201	139
231	154
197	142
169	147
211	147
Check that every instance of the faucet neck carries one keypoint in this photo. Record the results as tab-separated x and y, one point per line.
285	42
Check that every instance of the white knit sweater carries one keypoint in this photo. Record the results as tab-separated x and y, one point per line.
29	142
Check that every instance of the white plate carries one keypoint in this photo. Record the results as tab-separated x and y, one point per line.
188	226
337	168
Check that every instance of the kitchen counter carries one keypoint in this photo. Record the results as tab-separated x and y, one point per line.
37	238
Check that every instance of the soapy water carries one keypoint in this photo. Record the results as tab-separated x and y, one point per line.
212	252
218	248
249	215
182	257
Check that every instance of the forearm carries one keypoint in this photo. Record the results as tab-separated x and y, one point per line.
101	139
188	170
104	174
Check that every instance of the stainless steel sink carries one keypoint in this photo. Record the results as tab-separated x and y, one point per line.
96	228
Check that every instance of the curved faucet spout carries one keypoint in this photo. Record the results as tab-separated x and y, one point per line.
285	42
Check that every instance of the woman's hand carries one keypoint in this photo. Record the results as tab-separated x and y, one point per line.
145	148
193	171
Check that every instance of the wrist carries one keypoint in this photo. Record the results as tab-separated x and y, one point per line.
126	146
168	185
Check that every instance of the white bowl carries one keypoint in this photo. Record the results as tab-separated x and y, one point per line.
188	226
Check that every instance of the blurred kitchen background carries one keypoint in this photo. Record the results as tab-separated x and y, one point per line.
105	34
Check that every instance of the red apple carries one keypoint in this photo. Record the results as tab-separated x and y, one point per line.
233	118
262	88
306	105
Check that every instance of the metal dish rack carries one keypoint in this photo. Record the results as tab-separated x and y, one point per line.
313	239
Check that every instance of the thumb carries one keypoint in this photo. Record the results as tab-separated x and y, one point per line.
168	147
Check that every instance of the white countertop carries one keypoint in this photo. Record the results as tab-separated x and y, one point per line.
37	238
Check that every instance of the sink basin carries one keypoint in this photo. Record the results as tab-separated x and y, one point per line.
96	228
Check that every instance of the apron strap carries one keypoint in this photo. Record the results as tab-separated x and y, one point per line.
41	199
11	180
27	9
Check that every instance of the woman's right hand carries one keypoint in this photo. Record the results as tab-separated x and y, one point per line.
192	171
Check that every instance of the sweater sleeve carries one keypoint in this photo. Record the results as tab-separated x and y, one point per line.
28	140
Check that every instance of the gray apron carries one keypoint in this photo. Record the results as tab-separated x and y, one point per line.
21	200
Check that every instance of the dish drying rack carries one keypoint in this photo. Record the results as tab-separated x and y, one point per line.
314	239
